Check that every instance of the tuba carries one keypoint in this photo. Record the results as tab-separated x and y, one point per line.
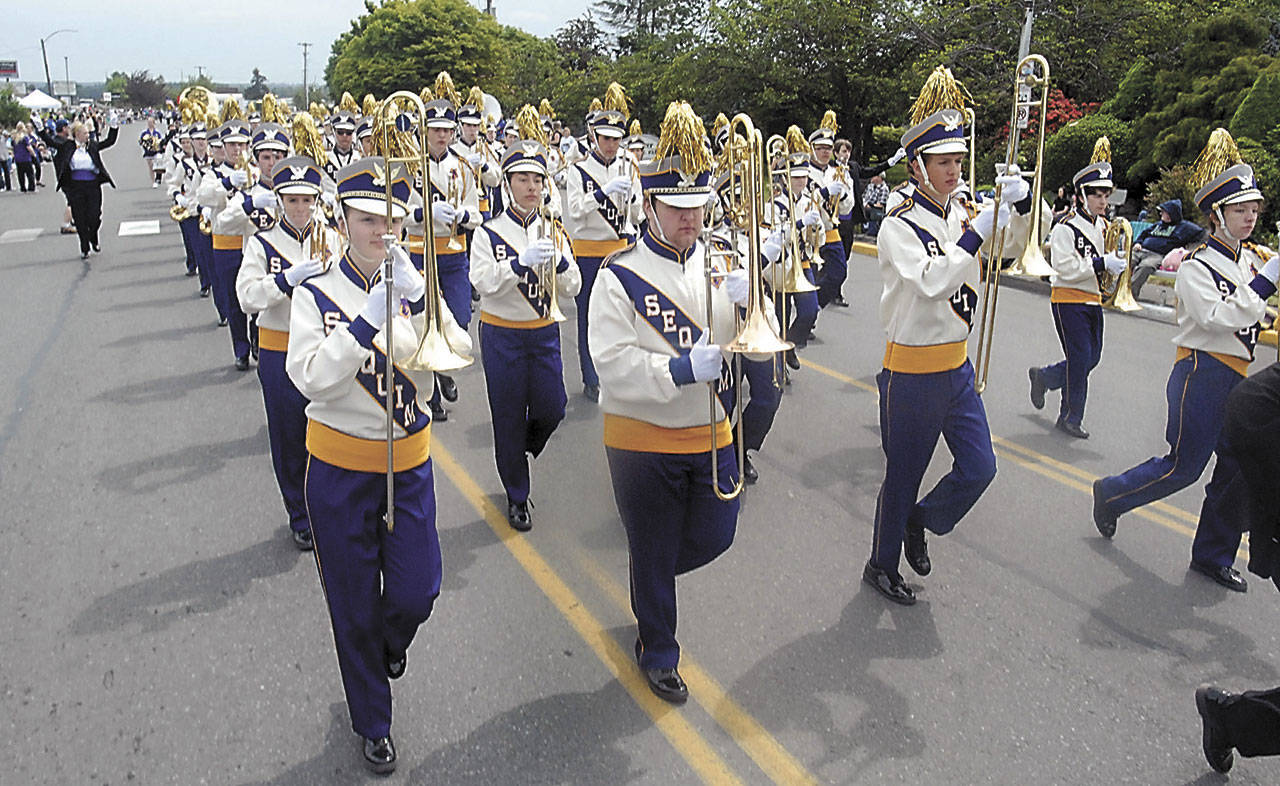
1116	293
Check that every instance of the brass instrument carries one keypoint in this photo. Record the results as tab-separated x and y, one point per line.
206	226
971	137
746	167
433	352
834	209
245	164
547	229
179	212
1116	293
1032	261
455	199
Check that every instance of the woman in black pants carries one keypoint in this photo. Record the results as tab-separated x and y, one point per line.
80	176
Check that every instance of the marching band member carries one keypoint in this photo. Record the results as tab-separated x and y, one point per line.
803	305
835	197
276	260
930	267
152	143
344	151
250	207
364	133
1219	305
1076	254
650	347
380	583
189	175
517	257
602	202
471	147
174	179
216	188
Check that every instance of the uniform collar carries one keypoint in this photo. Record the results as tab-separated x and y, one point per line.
662	249
596	155
525	222
296	234
1222	248
354	275
441	157
927	202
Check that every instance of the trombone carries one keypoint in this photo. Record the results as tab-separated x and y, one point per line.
547	228
787	279
455	198
746	167
1032	261
433	352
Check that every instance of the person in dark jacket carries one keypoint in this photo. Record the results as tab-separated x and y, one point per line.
81	173
1150	247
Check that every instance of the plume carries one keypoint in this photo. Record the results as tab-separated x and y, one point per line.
940	91
683	134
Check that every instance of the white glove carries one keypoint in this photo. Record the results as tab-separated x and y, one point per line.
898	156
1012	188
1271	270
265	199
986	222
181	200
538	254
1113	262
375	307
772	248
566	144
737	286
619	185
811	218
443	212
301	272
238	178
705	360
406	278
328	198
475	159
835	188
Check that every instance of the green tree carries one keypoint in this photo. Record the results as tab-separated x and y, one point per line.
11	112
580	42
144	90
257	87
1071	147
1256	114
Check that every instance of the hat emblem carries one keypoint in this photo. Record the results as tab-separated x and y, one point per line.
1245	182
951	119
379	175
298	172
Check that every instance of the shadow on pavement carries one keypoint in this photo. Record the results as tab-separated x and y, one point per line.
152	391
458	547
339	762
180	466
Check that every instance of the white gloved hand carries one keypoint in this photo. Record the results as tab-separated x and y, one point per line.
475	159
238	178
1012	188
898	156
835	188
303	271
772	248
406	278
538	254
811	218
180	200
566	144
375	307
617	186
987	222
737	285
705	360
328	198
265	199
1113	263
1271	270
443	212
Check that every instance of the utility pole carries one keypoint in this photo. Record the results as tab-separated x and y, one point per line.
306	86
488	9
200	70
1024	44
44	55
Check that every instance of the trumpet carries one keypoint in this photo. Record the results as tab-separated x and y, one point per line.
1032	262
1116	292
547	277
179	212
455	199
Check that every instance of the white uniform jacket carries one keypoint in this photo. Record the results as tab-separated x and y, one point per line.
1219	304
1075	252
513	297
599	224
447	169
336	159
261	285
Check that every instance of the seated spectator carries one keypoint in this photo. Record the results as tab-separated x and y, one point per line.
1157	240
874	200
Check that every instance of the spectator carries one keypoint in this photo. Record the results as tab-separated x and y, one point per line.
1150	247
1064	202
874	200
63	146
6	153
24	153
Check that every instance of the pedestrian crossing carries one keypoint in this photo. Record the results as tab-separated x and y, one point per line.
130	228
20	235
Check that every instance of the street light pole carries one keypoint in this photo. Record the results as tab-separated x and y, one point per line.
1024	43
306	86
48	80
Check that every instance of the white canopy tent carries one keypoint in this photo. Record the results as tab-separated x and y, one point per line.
38	99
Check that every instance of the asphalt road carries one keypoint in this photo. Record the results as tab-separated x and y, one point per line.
160	627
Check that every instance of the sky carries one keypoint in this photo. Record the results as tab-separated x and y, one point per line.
229	38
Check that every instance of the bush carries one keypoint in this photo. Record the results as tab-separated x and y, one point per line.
1133	95
11	112
1174	183
1256	114
1072	146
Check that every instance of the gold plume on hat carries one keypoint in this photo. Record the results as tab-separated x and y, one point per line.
594	106
368	106
719	125
545	110
426	95
476	98
396	143
251	108
317	111
796	143
348	103
274	110
683	134
940	91
1101	151
307	140
231	111
1219	155
829	122
615	97
211	120
529	123
444	89
635	127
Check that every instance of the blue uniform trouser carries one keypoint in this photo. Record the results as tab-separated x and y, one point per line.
803	308
757	415
835	268
588	267
379	586
187	226
1080	333
674	523
455	285
1197	392
915	409
525	381
287	430
202	244
226	266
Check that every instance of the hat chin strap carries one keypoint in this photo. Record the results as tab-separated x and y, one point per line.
1222	225
924	173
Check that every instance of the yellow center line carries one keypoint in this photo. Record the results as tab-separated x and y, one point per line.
1161	513
679	732
763	748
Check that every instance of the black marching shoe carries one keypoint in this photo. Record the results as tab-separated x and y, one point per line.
191	273
204	292
302	539
1210	700
438	413
448	388
1225	575
222	321
892	587
380	755
84	254
749	473
1102	518
667	685
916	550
1037	387
839	300
793	360
395	664
592	392
242	363
518	516
96	249
1074	429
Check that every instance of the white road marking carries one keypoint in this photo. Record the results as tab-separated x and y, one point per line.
150	227
21	235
